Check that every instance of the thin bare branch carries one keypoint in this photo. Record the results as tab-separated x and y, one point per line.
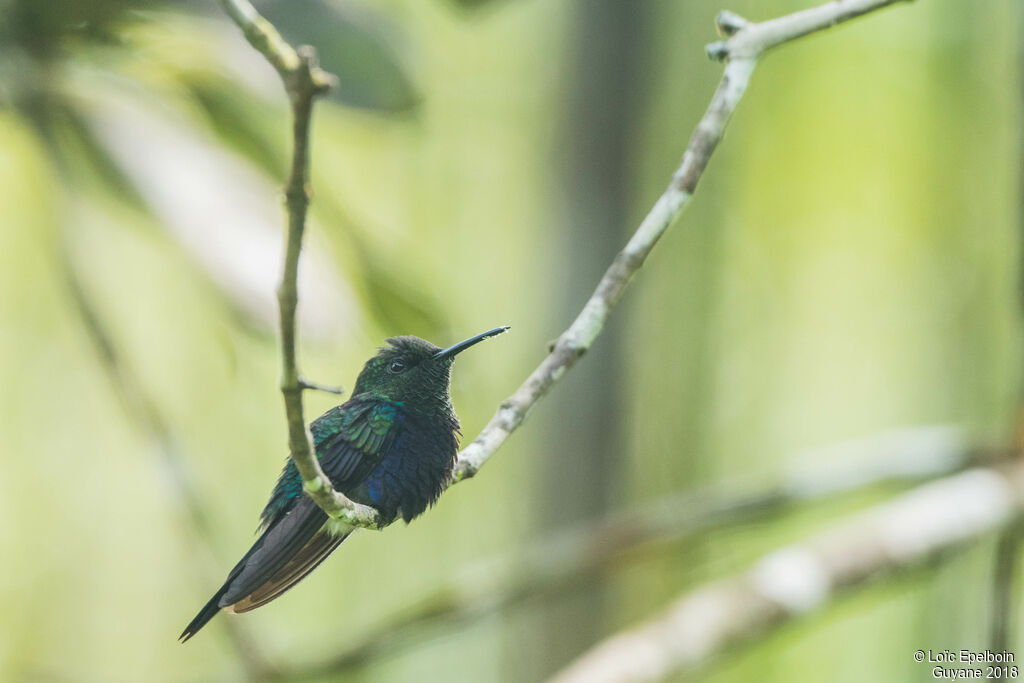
303	81
313	386
262	35
751	40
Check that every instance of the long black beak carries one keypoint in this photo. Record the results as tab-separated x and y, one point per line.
463	345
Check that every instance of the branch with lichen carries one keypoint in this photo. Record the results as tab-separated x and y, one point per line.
740	53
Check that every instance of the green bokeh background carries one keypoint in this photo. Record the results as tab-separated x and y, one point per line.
849	264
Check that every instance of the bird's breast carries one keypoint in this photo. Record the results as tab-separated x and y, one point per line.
414	470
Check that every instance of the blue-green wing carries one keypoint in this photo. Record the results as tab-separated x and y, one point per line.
352	443
349	440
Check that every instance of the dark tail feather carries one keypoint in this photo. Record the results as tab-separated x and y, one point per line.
210	609
306	560
208	612
281	557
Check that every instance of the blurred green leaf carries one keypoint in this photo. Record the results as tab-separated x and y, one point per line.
79	151
239	119
396	304
470	5
353	47
48	28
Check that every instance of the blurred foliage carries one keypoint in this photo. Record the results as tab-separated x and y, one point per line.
473	5
849	265
52	30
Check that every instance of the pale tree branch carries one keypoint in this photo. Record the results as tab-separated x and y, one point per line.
313	386
750	40
740	52
576	340
910	530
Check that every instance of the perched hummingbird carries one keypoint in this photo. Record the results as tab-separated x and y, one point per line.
391	446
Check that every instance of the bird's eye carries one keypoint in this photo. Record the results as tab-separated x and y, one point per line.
396	366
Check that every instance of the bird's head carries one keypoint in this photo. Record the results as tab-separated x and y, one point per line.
414	371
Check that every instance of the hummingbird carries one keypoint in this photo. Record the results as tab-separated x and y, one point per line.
391	446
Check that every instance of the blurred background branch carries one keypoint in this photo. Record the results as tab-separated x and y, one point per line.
141	412
1004	587
910	530
893	460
